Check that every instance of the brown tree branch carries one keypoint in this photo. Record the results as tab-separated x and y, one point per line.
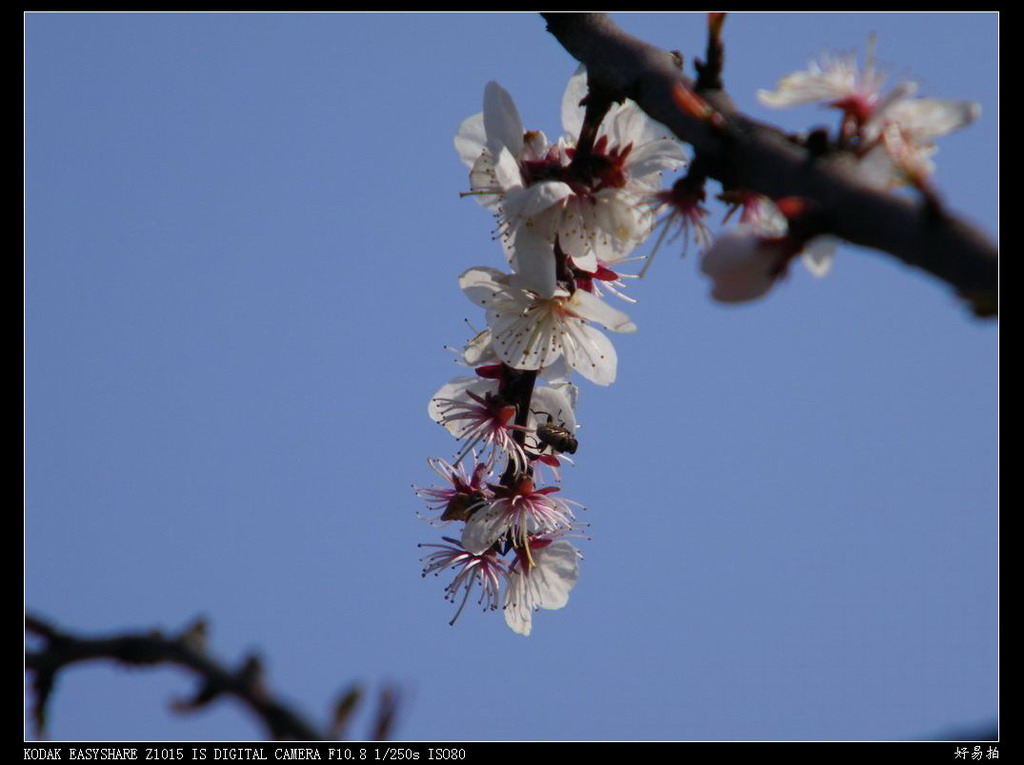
187	649
742	153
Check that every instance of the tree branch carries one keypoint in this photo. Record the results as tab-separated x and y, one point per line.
187	649
742	153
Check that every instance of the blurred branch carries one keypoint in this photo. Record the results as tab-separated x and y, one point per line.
187	650
742	153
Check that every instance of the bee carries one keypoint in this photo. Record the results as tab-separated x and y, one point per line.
462	506
558	437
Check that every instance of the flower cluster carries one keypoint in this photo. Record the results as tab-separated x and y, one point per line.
889	137
890	133
569	214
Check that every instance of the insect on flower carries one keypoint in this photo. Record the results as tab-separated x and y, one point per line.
558	437
462	505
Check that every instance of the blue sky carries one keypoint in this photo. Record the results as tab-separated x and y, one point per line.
243	235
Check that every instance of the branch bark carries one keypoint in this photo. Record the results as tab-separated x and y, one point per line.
187	650
743	153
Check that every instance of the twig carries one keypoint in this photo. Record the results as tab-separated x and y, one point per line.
188	650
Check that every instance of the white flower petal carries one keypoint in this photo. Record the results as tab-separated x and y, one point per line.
506	172
545	585
501	121
457	389
818	254
590	353
648	160
525	336
527	203
471	140
558	372
555	574
801	88
620	214
877	169
569	390
588	306
928	118
483	176
551	402
532	255
740	266
623	124
586	262
572	113
478	351
482	284
518	615
575	237
483	529
884	106
535	146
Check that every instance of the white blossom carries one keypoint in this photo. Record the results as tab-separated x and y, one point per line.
530	331
743	265
594	209
892	132
472	411
516	512
487	569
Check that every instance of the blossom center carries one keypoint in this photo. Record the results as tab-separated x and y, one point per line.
586	174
